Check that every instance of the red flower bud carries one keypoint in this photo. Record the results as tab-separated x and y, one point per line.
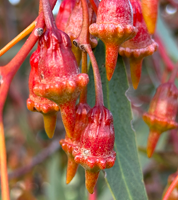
96	152
48	108
138	47
161	114
63	15
74	26
60	80
113	26
68	145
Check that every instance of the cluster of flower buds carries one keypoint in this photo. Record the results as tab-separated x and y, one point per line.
55	78
55	82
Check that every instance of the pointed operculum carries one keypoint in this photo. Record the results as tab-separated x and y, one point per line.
135	70
111	59
68	116
77	53
91	180
50	123
152	142
72	167
150	12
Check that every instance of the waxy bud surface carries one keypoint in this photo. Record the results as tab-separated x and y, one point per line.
59	77
140	46
96	145
48	108
63	15
161	114
114	25
69	144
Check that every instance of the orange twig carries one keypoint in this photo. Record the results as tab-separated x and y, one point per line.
171	188
7	73
19	37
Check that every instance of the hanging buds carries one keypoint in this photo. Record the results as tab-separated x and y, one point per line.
59	74
96	145
161	114
74	26
138	47
63	15
113	26
60	80
68	145
48	108
150	12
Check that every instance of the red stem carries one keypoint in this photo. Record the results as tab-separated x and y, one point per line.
163	53
83	39
97	77
6	75
93	196
84	34
94	6
83	95
8	71
49	19
171	188
173	74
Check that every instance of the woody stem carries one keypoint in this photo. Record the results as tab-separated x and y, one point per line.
171	188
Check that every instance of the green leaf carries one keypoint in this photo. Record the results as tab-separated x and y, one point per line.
125	178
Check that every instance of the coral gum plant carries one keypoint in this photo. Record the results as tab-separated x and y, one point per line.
56	84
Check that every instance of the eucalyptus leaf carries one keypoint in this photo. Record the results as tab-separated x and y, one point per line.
125	179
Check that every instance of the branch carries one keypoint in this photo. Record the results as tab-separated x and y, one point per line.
39	158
